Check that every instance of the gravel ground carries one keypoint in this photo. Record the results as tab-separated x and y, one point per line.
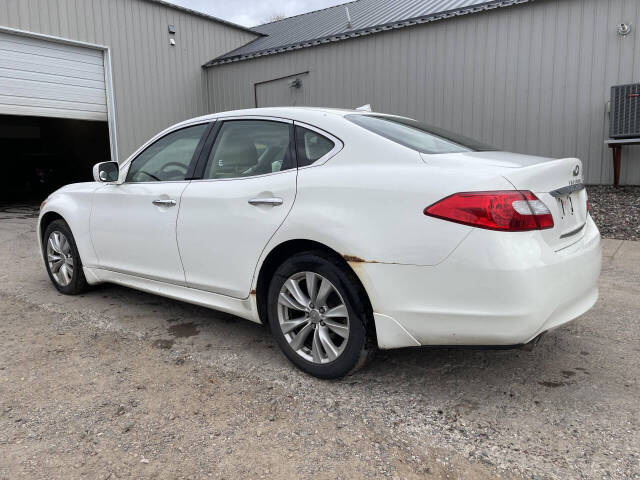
121	384
616	211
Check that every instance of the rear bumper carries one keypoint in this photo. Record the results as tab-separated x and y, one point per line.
496	288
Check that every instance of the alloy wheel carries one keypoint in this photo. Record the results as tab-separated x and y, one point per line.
60	258
313	317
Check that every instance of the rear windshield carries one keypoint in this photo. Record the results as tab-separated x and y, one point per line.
416	135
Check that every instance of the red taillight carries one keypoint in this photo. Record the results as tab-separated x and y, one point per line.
509	211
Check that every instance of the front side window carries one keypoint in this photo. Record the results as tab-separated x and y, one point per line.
416	135
246	148
311	146
167	159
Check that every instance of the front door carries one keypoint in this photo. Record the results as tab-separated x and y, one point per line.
133	224
247	187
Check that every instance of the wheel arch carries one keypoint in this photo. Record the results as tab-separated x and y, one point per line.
74	208
287	249
46	220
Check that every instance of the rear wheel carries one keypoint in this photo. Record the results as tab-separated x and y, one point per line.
318	315
62	259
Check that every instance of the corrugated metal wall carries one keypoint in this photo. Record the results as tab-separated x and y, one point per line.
533	78
155	84
281	92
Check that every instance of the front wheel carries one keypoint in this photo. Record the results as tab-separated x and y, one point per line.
62	259
318	315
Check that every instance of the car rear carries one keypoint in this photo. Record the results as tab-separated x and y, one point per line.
529	263
495	288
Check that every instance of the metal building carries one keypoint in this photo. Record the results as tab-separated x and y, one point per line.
81	80
527	76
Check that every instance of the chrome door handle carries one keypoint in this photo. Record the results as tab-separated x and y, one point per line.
273	201
164	203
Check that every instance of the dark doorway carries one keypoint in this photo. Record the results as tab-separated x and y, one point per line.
39	154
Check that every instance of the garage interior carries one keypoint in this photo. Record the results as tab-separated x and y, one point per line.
42	154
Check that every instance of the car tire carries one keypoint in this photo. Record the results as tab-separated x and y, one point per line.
62	260
345	308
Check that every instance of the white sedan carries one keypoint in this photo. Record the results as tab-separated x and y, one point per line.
343	231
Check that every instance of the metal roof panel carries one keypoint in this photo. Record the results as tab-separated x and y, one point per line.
367	17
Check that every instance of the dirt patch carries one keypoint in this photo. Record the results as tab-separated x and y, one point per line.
552	384
163	344
110	405
183	330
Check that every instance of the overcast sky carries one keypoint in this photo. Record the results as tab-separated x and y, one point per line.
254	12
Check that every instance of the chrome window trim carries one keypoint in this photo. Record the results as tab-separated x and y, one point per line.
268	118
200	180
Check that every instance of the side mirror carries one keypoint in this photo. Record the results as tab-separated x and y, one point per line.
106	172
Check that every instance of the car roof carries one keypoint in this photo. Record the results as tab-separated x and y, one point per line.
311	115
292	113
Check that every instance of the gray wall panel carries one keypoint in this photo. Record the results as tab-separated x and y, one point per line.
277	92
155	85
533	78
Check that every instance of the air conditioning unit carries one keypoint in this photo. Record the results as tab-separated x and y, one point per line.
625	111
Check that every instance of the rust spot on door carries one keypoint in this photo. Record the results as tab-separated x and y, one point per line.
354	259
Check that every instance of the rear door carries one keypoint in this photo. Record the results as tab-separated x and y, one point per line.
246	188
133	224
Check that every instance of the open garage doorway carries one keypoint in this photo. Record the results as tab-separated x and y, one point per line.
41	154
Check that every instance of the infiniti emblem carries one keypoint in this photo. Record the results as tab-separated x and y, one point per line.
576	171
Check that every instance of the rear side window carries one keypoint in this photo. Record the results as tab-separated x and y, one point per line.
416	135
311	146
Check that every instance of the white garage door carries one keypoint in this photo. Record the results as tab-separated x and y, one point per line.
50	79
